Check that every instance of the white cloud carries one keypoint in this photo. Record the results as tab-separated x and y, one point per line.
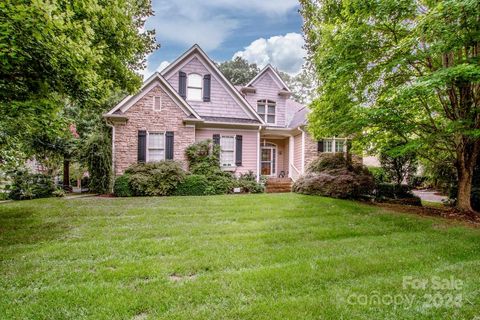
147	72
284	52
163	65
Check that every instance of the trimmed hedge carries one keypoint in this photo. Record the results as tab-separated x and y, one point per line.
193	185
121	188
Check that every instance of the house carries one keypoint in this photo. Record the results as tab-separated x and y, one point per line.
258	126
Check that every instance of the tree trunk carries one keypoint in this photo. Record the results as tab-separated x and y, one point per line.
467	154
66	175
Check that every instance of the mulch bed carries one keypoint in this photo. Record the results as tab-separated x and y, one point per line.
470	218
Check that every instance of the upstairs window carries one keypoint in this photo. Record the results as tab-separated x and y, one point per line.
156	146
266	110
194	87
227	154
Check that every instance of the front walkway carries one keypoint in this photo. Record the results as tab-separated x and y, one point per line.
431	196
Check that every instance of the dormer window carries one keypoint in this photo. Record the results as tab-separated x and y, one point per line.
266	110
194	87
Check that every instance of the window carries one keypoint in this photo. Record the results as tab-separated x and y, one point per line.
156	146
157	103
194	87
227	154
339	146
327	146
266	110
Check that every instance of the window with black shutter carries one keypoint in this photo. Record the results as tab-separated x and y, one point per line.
182	84
169	145
238	151
142	146
206	87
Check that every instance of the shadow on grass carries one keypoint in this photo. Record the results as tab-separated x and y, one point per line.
24	226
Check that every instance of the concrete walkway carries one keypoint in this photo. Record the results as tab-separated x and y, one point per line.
429	195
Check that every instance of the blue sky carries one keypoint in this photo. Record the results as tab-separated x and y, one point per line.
261	31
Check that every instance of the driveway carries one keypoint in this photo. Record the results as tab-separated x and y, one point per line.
429	195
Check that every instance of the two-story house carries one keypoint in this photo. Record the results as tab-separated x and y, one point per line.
258	126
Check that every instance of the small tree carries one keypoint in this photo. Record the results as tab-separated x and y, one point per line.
96	154
398	167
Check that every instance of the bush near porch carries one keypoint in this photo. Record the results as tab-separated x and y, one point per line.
205	177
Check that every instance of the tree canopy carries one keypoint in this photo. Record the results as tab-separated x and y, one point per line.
239	71
399	68
65	54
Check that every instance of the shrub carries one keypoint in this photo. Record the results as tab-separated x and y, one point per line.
59	193
220	183
155	178
379	174
399	194
203	158
26	185
398	162
248	183
415	182
97	156
332	175
121	188
193	185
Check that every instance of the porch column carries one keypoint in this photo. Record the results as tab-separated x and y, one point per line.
258	154
290	155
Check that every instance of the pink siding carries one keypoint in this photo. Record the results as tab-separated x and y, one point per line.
267	88
249	146
297	152
221	104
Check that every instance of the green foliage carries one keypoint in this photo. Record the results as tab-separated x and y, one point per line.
121	187
193	185
379	174
155	178
59	193
65	54
238	71
96	154
394	193
398	166
332	175
203	158
403	69
26	185
248	183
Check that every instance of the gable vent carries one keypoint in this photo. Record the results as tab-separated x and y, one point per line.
157	103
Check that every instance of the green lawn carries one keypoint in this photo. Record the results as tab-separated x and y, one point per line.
269	256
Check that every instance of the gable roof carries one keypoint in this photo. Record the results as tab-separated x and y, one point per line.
277	77
300	118
149	84
209	64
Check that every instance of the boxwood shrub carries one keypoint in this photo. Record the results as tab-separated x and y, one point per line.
193	185
121	188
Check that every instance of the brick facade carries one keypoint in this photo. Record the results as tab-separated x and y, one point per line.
141	116
311	149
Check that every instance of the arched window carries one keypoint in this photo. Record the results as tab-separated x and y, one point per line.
266	110
194	87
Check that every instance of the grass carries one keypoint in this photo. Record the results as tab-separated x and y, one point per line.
269	256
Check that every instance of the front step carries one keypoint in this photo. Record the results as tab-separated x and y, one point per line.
277	185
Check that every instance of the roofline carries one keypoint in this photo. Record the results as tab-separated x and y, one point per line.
131	99
268	66
202	53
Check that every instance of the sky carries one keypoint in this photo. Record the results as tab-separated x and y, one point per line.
261	31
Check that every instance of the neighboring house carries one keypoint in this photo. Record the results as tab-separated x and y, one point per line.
258	126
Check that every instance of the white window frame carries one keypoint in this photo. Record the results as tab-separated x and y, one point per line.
325	143
266	114
234	137
154	99
344	144
148	144
193	87
333	143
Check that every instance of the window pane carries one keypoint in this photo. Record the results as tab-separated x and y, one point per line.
327	146
339	146
266	155
156	140
227	143
226	158
271	110
155	155
270	119
194	94
195	80
261	109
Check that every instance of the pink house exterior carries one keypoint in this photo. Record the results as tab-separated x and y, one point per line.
258	126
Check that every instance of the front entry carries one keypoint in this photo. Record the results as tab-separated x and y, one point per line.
269	159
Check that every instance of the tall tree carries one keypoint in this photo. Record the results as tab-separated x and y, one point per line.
62	53
406	68
239	71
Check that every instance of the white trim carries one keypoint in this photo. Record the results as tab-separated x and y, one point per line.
291	144
233	166
258	154
148	85
213	69
266	114
303	151
274	149
269	67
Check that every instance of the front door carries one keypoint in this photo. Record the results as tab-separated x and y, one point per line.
268	160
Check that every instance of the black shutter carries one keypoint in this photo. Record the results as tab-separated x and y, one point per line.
182	84
216	139
169	145
320	146
206	87
142	146
238	151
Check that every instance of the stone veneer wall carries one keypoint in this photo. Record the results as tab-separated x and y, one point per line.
141	116
311	149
